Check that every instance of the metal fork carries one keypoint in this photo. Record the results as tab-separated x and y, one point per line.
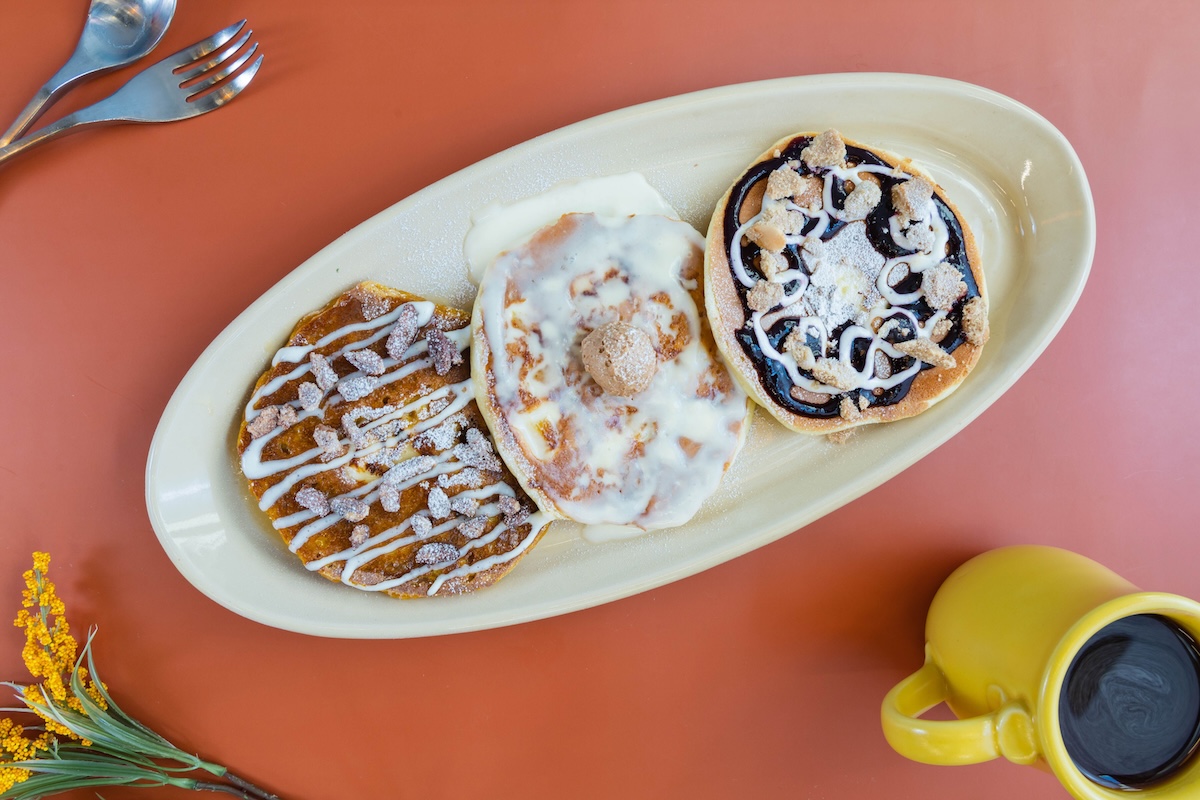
164	92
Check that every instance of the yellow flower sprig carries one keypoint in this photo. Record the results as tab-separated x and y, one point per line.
85	739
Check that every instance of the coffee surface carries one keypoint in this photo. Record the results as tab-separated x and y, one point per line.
1129	711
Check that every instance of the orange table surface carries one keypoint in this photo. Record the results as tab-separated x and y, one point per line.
124	251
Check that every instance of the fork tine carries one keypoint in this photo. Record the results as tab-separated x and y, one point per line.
155	93
198	68
212	79
202	48
227	91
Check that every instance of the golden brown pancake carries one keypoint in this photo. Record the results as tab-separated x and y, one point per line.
843	287
364	446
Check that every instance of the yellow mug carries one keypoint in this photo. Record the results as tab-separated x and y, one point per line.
1001	634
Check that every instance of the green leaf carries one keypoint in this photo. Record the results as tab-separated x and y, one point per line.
122	751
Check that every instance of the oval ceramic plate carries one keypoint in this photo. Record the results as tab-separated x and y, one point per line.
1012	175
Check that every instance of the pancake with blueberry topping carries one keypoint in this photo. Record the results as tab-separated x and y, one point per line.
843	286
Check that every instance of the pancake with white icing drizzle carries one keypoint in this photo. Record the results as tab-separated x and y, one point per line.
365	448
844	288
648	460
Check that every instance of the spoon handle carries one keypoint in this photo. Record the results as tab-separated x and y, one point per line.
29	115
74	71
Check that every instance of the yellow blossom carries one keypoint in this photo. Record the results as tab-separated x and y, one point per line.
50	649
16	746
74	704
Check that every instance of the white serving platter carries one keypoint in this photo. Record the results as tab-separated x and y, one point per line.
1013	176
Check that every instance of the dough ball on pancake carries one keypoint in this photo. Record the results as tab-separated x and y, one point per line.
620	358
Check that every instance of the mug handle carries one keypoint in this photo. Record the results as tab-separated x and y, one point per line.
1007	731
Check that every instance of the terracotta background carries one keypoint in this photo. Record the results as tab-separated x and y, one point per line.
124	251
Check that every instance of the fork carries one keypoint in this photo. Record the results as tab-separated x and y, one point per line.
168	91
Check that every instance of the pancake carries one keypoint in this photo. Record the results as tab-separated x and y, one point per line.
365	447
843	287
589	435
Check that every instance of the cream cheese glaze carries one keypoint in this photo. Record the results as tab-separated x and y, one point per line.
502	226
649	460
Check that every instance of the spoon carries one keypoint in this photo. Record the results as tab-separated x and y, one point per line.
117	32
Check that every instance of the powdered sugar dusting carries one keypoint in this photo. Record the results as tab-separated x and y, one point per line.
356	387
322	371
466	506
404	332
473	527
444	352
439	503
351	508
389	498
843	278
436	553
366	360
469	478
329	442
441	437
313	500
477	452
370	304
422	527
310	396
266	421
409	469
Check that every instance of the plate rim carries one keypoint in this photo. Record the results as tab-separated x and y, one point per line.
688	565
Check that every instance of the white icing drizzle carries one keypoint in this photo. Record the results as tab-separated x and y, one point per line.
455	397
536	521
369	493
392	539
296	353
566	290
735	250
463	396
794	306
462	393
460	337
459	395
300	352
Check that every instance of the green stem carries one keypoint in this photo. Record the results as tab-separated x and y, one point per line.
43	609
205	786
242	783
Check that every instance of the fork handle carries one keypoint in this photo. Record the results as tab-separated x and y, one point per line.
83	118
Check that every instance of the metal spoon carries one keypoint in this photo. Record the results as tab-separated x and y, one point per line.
117	32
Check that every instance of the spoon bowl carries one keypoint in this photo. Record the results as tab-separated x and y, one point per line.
117	32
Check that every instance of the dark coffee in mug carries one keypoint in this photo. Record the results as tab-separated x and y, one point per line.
1129	710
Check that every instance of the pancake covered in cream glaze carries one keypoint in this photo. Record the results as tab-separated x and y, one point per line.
594	442
843	286
365	447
